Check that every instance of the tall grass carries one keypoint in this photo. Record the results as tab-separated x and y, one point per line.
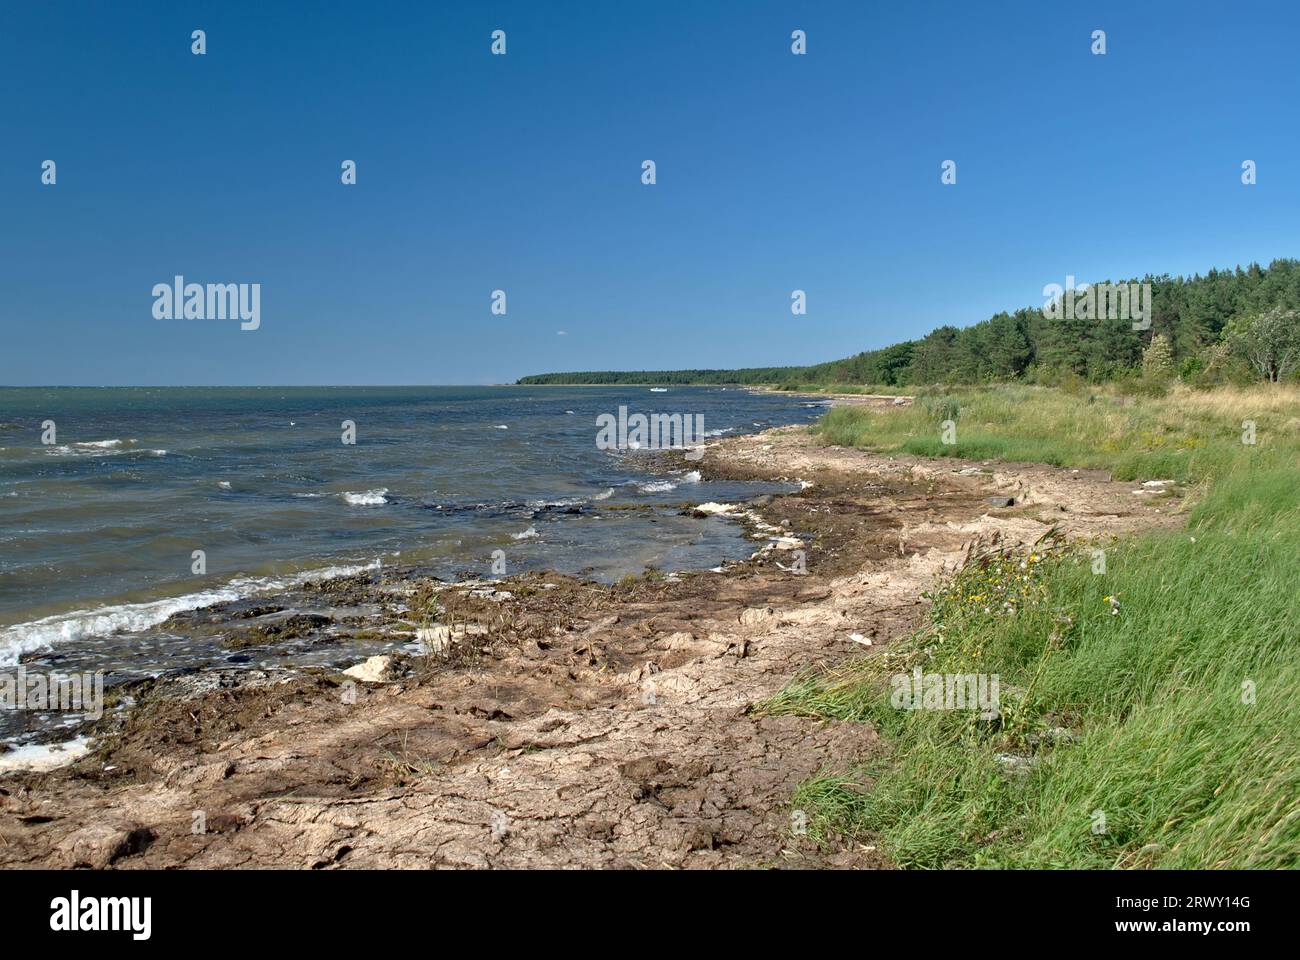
1186	434
1150	713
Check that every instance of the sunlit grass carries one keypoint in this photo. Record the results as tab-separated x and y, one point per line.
1148	712
1186	434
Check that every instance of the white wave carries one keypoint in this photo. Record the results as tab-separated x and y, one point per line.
720	432
692	477
95	448
556	504
569	412
100	448
133	617
526	535
224	484
600	496
502	426
367	498
657	486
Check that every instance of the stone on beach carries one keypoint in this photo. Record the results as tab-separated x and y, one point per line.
374	670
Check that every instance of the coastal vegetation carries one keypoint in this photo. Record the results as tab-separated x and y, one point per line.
1227	326
1148	685
1146	712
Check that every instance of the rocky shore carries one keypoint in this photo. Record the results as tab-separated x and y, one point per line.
542	720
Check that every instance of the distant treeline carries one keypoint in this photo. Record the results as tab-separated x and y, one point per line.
1189	314
756	375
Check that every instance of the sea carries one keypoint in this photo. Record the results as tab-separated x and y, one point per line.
121	507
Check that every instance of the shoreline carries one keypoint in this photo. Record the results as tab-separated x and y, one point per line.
882	400
278	520
554	721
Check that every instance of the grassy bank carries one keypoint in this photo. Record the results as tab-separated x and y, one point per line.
1185	434
1148	699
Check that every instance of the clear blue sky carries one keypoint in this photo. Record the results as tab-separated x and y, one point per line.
522	172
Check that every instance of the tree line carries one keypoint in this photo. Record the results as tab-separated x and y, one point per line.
1202	328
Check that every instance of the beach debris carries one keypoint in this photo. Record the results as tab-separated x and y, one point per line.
859	638
439	637
1000	501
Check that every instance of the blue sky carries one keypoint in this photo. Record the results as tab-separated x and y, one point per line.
476	172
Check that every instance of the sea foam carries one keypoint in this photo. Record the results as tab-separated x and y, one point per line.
367	498
48	632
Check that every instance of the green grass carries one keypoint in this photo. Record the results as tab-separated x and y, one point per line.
1127	693
1183	435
